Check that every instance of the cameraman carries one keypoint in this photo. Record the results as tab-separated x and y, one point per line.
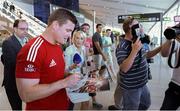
172	94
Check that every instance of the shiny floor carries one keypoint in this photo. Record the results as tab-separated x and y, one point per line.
161	74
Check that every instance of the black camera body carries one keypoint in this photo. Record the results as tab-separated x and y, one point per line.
173	32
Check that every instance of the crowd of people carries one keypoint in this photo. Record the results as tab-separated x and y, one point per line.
42	73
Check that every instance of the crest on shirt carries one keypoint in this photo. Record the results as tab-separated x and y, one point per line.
30	68
52	63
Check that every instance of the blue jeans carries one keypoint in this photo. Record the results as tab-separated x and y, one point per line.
136	99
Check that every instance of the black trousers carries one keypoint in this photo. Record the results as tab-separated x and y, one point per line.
172	97
92	94
14	99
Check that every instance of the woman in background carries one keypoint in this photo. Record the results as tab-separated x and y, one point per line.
77	48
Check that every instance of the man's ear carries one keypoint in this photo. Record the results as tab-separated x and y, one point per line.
15	29
55	25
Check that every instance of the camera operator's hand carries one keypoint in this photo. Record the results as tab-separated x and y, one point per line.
136	46
72	80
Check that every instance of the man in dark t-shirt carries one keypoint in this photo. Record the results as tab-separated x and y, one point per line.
97	47
97	38
98	55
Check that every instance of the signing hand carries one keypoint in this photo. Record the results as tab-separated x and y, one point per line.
72	80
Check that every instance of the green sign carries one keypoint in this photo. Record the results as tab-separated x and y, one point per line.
166	19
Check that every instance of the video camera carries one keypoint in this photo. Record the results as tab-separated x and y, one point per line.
173	32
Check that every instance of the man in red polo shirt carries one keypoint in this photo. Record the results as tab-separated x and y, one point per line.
40	66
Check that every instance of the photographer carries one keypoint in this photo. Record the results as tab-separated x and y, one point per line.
172	94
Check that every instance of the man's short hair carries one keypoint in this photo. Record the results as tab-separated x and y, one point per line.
16	22
85	24
108	30
61	15
98	25
126	24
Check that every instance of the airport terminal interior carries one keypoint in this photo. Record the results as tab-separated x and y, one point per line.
155	16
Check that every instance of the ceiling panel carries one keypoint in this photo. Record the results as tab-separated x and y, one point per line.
108	10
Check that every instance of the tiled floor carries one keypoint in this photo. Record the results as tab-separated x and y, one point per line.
161	74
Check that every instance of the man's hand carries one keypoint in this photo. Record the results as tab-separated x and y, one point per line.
72	80
136	46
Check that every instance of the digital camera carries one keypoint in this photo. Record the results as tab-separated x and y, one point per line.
172	32
135	30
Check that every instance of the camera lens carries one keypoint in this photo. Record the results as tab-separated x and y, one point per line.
170	33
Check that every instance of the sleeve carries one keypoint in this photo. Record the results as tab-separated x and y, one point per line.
110	41
68	58
84	54
95	38
8	56
26	68
121	55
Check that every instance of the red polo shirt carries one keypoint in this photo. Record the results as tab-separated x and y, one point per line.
39	59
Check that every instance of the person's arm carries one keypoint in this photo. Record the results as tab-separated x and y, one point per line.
152	53
30	89
97	45
128	62
166	48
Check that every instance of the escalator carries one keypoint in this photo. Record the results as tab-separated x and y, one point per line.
36	27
